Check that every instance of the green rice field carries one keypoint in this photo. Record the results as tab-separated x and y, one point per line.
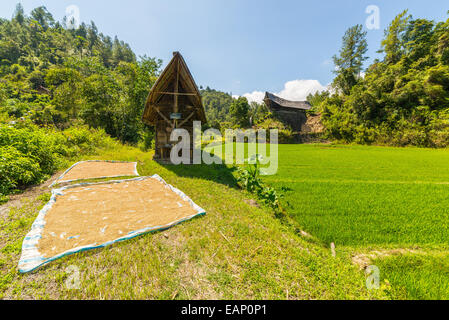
360	196
375	199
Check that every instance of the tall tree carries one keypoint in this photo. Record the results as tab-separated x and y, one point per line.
43	17
419	38
393	43
19	14
349	62
239	111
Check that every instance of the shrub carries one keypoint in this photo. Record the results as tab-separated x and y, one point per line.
29	154
147	142
82	140
249	179
17	169
285	133
35	143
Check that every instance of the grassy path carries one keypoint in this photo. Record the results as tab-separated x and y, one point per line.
236	251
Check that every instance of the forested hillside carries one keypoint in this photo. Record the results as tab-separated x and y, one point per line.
216	105
224	111
54	75
402	99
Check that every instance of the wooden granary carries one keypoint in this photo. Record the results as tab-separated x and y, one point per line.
173	102
292	113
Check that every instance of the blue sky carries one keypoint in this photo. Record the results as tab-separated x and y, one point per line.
241	46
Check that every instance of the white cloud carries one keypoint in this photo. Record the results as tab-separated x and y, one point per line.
296	90
256	96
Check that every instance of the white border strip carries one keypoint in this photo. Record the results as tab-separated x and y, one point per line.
31	258
58	180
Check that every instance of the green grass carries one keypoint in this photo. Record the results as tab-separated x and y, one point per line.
416	277
364	199
236	251
360	196
361	214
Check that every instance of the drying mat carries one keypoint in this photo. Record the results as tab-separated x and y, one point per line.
94	215
96	169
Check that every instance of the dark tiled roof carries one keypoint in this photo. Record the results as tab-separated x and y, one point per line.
270	98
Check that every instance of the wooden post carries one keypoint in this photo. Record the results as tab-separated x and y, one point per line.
156	140
176	96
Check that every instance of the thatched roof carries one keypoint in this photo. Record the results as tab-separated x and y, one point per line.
272	100
174	83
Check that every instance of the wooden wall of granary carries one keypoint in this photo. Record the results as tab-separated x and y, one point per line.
295	118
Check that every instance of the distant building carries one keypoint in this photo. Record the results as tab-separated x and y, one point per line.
292	113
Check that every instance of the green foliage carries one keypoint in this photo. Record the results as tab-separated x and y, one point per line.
147	140
402	100
316	99
216	105
249	179
54	75
84	141
17	169
55	84
258	113
393	43
285	133
350	60
29	154
39	145
225	112
239	111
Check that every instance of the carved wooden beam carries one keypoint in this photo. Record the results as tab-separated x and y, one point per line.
177	93
164	117
187	119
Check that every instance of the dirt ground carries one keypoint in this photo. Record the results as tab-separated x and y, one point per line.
313	124
31	192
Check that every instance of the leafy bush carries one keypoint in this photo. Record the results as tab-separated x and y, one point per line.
249	179
82	140
29	154
285	133
32	142
147	142
17	169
